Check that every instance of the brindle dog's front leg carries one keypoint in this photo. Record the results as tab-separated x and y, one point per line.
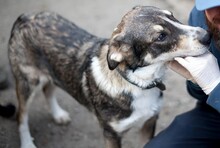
112	139
148	130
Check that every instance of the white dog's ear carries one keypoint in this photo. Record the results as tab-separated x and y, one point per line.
116	53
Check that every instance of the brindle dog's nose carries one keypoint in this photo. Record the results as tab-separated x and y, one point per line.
205	39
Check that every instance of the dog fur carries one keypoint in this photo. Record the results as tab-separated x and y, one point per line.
118	79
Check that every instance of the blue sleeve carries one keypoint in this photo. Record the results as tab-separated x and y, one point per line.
195	91
214	98
197	19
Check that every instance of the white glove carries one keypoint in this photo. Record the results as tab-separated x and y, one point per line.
204	70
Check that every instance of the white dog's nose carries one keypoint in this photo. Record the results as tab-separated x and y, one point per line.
205	39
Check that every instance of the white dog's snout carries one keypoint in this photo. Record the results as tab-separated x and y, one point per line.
203	36
205	39
195	33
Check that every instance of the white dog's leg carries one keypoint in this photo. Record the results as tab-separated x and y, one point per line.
60	115
25	136
27	89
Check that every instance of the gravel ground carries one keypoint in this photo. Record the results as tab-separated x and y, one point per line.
99	17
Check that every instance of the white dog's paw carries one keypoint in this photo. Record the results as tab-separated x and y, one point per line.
62	117
28	145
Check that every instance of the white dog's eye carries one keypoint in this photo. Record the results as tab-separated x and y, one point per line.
161	37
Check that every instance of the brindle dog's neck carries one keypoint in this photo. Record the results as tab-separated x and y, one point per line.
115	82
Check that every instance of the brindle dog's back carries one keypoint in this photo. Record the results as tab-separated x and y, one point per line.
55	46
46	50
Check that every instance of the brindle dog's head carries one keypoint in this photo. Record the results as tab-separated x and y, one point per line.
148	35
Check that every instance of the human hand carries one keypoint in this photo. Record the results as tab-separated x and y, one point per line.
178	68
204	70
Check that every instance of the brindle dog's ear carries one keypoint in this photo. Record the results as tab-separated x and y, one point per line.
116	52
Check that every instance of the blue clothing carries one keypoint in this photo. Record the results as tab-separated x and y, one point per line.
199	127
197	18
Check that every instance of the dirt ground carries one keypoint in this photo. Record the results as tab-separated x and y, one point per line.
99	17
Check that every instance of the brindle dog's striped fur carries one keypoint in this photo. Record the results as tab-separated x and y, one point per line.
114	78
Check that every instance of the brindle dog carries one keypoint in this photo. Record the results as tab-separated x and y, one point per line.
118	79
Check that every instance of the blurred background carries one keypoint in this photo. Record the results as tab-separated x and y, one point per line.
98	17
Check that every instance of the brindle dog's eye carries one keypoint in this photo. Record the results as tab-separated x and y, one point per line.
161	37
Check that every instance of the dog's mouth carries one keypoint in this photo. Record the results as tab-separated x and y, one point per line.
203	51
198	52
164	59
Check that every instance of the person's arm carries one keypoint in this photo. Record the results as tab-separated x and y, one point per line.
196	19
202	70
214	98
205	74
193	89
196	91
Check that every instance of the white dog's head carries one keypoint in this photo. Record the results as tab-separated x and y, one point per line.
149	36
